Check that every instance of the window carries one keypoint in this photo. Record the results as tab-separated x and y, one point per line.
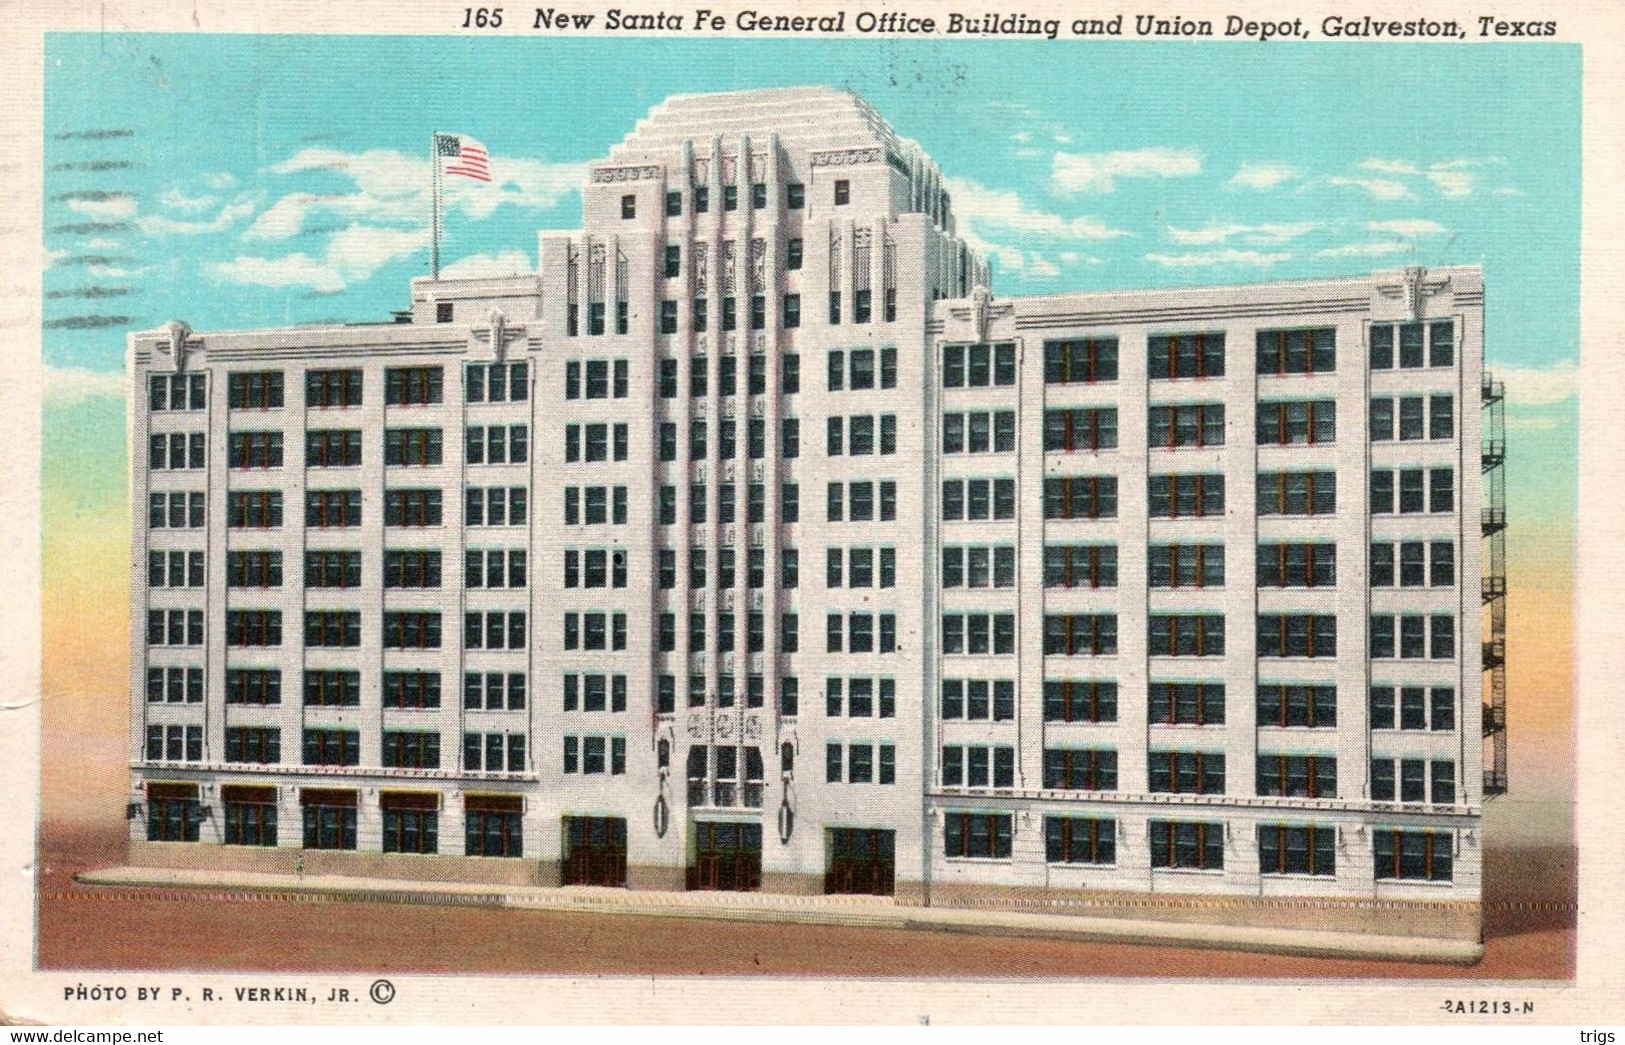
1187	772
978	634
411	569
1186	703
730	197
334	448
1186	845
1294	849
412	630
976	835
977	700
1187	566
1080	634
629	207
411	689
1381	419
410	508
1186	635
1440	338
1076	362
1297	635
1080	769
1184	356
173	811
1071	566
1081	429
262	686
176	451
333	508
326	389
1297	422
1312	707
254	391
1415	855
176	392
1297	351
262	569
253	627
444	311
413	386
409	749
420	446
1079	497
1079	700
1297	565
674	204
250	815
1186	496
1080	840
252	450
494	824
506	506
976	432
332	747
1297	776
1441	490
1198	424
1297	493
843	192
792	254
336	629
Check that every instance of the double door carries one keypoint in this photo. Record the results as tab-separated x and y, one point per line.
727	857
595	850
861	860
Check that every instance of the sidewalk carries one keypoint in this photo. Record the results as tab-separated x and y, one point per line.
859	911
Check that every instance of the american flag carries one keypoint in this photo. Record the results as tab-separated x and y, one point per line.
460	154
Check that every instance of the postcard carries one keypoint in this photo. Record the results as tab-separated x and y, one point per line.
837	500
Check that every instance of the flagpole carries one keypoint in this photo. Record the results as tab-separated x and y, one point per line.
434	221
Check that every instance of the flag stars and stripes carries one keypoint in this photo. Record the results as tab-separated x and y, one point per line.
463	156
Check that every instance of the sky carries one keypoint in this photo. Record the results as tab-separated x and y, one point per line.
240	182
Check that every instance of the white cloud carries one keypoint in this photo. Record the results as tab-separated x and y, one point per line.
1022	136
113	207
54	256
1452	183
984	208
390	187
1216	258
1539	386
175	199
1262	176
1373	249
224	218
1267	234
1389	167
1380	188
1414	227
219	179
1098	172
1039	267
102	243
475	266
1507	190
67	386
353	254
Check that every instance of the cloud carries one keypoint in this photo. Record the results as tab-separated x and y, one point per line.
984	208
391	188
1039	267
1452	183
1266	234
1539	386
116	205
1415	227
97	134
1216	258
1389	166
54	256
1507	190
86	322
1098	172
1262	176
102	244
89	292
92	165
175	199
85	228
1022	136
67	386
1374	249
352	256
218	179
224	218
475	266
1379	188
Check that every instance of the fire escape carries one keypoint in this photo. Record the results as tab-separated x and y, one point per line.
1495	584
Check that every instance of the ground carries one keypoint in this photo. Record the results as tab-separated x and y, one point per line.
1529	935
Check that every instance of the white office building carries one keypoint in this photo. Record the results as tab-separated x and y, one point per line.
754	544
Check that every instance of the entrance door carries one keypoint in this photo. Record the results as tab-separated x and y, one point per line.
727	857
861	860
595	850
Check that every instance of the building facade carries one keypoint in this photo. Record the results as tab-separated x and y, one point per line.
753	544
